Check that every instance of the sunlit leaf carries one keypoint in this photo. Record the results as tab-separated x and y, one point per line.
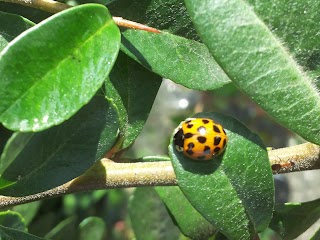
258	64
54	68
234	191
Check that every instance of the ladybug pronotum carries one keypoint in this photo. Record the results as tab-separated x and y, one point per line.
200	138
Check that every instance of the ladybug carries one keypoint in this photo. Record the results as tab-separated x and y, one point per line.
200	138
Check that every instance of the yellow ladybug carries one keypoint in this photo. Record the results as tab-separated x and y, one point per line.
200	138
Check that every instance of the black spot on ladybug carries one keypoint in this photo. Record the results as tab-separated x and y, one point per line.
216	129
188	135
224	131
217	149
187	121
189	125
217	140
206	150
201	157
201	130
190	146
224	143
205	121
202	139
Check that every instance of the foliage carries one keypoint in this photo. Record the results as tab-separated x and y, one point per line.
75	87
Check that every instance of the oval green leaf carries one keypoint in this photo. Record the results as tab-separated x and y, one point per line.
235	191
132	88
51	70
183	61
190	222
59	154
256	62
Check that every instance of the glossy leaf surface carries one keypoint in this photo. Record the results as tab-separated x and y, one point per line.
234	191
59	154
51	70
258	64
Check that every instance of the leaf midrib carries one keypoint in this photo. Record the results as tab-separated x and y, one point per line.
51	69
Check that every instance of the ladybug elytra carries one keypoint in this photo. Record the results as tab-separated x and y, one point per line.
200	138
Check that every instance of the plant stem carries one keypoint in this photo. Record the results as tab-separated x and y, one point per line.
45	5
107	174
296	158
55	7
133	25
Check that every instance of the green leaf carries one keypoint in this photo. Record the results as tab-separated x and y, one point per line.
12	220
170	15
51	70
9	234
92	228
11	26
296	23
234	191
14	146
66	229
28	211
59	154
132	88
149	217
194	226
291	219
256	62
183	61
